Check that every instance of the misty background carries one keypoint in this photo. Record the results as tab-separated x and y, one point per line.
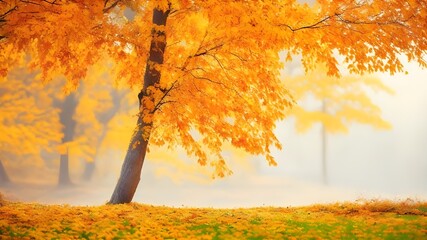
363	164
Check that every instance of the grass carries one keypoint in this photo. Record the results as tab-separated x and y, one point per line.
360	220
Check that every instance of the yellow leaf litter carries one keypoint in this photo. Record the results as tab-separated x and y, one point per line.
354	220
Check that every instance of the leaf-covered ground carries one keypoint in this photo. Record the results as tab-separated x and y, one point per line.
362	220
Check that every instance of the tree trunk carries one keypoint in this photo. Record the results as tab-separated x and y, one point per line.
68	108
131	168
4	178
324	148
64	173
88	172
132	165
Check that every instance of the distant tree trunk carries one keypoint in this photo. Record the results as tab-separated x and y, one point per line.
104	118
324	148
64	173
4	178
89	170
68	108
132	165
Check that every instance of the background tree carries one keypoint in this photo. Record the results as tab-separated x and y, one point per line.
67	106
28	123
100	100
85	116
210	67
343	101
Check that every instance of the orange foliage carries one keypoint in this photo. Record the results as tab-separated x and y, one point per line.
220	76
57	35
345	100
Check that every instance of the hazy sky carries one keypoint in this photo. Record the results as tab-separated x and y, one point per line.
385	161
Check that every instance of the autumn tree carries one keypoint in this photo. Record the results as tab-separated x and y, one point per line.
85	115
28	123
341	102
209	67
67	107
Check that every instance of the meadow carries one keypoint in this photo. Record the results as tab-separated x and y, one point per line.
374	219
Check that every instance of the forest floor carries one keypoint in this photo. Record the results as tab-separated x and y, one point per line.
351	220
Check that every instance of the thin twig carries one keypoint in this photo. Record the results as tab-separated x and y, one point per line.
314	25
106	9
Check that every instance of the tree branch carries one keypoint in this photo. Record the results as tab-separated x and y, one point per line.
166	92
40	4
2	16
51	2
206	51
340	18
237	56
394	22
219	83
314	25
106	9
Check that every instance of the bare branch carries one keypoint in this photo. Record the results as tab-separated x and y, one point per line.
223	67
219	83
318	24
204	52
207	79
373	22
108	8
199	51
340	18
51	2
237	56
2	16
162	101
175	12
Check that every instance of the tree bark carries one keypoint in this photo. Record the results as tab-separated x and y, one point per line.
64	173
132	166
89	170
4	178
68	108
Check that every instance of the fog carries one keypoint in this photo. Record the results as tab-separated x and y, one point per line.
363	164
